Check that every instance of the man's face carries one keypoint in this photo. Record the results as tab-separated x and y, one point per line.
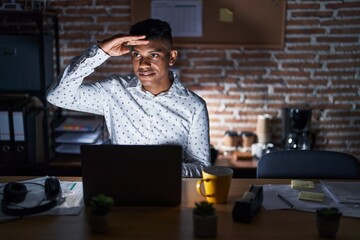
151	63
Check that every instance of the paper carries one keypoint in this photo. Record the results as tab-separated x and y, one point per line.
343	192
79	137
72	193
184	17
272	202
73	124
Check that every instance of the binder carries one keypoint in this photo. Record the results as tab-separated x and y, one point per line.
6	152
18	115
23	120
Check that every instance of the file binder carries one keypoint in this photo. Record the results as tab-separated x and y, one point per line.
24	132
19	120
6	153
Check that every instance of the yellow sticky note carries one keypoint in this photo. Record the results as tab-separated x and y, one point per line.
226	15
301	184
311	196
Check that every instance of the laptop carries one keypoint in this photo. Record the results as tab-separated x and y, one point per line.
134	175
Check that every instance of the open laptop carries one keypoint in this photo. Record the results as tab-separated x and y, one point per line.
134	175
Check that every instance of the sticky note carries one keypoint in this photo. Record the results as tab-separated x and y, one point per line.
311	196
226	15
301	184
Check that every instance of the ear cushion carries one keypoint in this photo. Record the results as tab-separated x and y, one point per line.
14	192
53	194
52	188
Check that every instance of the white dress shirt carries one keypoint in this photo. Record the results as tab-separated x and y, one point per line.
135	116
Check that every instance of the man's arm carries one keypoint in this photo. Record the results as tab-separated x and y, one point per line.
68	91
198	149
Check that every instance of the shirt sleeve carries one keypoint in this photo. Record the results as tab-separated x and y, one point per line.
198	148
68	90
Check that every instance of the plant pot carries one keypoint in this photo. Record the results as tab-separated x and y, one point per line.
328	227
98	223
205	226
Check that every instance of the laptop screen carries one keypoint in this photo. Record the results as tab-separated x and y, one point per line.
134	175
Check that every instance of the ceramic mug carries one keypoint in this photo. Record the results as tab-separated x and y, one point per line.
215	183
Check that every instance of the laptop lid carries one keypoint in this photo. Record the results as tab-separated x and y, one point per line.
134	175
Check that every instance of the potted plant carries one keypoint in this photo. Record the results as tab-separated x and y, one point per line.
100	208
205	220
328	221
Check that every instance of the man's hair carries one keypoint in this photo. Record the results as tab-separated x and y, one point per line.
153	29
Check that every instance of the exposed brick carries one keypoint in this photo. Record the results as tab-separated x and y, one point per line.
295	56
318	66
354	64
312	14
290	40
345	31
306	31
337	39
342	22
342	5
317	47
291	6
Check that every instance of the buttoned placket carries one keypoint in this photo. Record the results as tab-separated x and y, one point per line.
151	113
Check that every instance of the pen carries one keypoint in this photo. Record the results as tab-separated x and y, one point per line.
285	200
72	187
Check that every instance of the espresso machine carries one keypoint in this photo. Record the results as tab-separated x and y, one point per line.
296	128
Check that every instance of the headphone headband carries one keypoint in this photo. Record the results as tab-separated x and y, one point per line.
15	192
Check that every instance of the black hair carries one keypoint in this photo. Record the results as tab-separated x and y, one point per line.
153	29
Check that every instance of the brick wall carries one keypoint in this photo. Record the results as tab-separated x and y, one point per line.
318	67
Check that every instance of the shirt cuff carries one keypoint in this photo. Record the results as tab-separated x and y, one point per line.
94	51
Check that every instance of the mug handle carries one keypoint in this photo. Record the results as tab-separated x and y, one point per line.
199	183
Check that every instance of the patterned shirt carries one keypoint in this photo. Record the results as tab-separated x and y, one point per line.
135	116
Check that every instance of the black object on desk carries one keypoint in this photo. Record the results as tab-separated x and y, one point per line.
245	209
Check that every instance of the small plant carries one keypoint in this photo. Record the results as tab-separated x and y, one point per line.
101	204
204	208
328	212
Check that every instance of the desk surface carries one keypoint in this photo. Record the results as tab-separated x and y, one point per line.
176	222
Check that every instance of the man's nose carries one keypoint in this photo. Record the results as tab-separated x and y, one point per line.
144	62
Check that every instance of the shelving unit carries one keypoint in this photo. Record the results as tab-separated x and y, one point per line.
42	29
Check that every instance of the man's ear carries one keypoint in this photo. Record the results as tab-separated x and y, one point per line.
173	56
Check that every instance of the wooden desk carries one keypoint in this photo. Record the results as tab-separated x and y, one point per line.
243	168
176	223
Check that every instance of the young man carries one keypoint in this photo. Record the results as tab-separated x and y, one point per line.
150	106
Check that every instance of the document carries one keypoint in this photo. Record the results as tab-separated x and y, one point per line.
343	192
72	193
185	16
340	191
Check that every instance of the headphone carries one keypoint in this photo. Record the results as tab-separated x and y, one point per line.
15	192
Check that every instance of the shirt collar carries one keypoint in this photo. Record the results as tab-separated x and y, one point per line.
177	88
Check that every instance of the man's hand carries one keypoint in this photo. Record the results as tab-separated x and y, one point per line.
119	44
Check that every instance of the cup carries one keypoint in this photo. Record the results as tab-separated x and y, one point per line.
263	130
215	183
247	139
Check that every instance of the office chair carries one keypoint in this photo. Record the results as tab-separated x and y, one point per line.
308	164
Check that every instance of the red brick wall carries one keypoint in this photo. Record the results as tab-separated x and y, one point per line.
318	66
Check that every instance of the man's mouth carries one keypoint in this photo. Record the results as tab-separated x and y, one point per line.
146	73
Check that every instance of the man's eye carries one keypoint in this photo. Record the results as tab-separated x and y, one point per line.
136	55
154	55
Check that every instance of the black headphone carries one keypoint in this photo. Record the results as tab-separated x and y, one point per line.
15	192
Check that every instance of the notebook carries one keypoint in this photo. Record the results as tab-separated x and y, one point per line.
134	175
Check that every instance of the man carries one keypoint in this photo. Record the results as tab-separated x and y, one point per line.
150	106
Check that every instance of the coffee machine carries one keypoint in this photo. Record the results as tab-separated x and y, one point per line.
296	128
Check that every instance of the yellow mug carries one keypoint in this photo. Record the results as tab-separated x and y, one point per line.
216	183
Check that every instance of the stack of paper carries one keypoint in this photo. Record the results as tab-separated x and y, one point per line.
76	131
343	192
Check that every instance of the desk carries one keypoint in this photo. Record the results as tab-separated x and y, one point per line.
243	168
176	222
